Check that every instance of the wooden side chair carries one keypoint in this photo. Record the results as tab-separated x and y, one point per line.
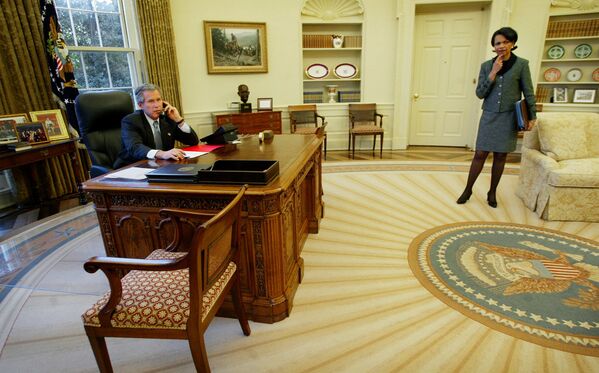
304	120
363	122
171	294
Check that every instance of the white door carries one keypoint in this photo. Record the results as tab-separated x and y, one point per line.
446	65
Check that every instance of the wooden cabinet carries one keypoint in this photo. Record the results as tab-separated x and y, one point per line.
569	72
331	74
250	123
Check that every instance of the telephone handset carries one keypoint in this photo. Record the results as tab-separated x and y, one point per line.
163	114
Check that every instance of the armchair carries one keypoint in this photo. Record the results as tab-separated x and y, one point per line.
363	122
559	172
99	117
171	294
304	120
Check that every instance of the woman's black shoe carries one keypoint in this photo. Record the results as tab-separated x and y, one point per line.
491	200
464	197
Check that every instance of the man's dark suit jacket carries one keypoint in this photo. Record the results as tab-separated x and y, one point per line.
137	138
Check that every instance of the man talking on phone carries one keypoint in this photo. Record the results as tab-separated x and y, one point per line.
151	131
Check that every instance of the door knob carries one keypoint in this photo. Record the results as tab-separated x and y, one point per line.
416	95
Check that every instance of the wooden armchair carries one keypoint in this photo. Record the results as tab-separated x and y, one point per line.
171	294
304	120
363	122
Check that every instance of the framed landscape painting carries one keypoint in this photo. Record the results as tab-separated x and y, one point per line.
235	47
53	122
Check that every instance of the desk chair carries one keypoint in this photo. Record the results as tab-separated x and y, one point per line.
304	120
362	119
99	117
173	293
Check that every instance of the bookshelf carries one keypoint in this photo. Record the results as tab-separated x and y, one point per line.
570	63
319	56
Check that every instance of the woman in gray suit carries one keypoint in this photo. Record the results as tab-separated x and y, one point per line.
501	82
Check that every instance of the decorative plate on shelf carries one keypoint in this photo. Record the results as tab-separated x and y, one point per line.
552	74
596	75
345	71
556	51
317	71
583	51
574	75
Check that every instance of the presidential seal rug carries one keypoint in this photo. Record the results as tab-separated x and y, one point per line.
532	283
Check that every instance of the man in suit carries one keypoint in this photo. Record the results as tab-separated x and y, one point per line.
151	131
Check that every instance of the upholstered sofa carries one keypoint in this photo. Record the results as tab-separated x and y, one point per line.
559	173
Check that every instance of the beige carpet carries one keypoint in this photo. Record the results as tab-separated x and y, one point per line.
359	309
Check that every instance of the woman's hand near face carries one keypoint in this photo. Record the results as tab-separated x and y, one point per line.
497	65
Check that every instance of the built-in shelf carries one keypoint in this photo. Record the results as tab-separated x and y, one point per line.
317	48
572	60
576	38
330	49
331	80
560	27
569	83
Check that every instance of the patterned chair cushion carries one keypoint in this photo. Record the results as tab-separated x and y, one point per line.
569	135
305	130
366	129
583	173
157	299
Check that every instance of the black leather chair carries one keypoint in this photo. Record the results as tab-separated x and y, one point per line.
99	116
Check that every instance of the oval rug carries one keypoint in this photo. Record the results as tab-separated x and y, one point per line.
532	283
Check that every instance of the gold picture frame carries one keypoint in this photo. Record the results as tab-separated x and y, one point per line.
54	123
235	47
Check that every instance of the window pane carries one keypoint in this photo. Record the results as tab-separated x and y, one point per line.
120	71
81	4
65	25
61	3
86	31
96	70
107	5
110	27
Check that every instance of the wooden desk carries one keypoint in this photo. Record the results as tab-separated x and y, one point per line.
276	218
254	122
40	152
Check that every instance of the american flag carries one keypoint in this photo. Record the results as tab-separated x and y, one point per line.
62	79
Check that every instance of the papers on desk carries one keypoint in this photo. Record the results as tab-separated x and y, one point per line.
190	154
132	173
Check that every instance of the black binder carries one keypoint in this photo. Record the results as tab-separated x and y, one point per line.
177	173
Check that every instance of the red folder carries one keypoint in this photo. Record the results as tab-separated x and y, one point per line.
201	148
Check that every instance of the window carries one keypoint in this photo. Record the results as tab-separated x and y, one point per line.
103	43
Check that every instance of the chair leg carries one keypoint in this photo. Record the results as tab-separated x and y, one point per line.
382	134
325	146
373	144
353	147
98	345
198	353
238	304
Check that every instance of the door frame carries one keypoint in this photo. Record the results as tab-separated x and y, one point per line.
496	15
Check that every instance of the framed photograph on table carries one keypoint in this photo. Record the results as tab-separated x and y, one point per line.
585	96
235	47
8	133
264	104
560	95
56	128
33	133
